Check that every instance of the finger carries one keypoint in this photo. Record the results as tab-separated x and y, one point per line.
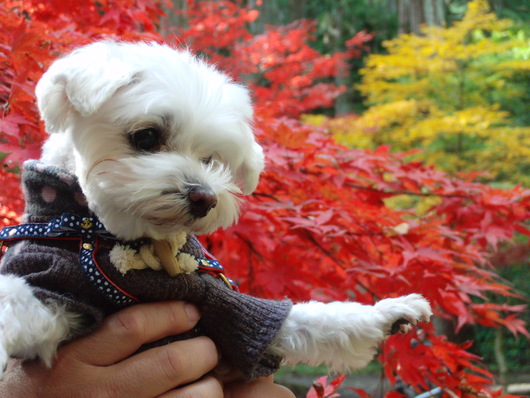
125	332
155	371
227	373
209	387
261	388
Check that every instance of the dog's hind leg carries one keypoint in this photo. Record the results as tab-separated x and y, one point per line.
28	327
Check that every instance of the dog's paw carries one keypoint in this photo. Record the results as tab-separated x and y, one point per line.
403	312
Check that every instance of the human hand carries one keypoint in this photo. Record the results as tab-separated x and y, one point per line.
235	385
261	388
101	365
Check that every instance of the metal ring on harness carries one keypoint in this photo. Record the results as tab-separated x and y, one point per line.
226	281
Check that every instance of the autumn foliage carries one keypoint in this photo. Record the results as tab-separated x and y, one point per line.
323	223
456	92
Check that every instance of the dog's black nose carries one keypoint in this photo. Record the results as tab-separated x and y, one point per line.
202	200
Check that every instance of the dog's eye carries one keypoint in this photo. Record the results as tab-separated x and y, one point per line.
147	140
207	160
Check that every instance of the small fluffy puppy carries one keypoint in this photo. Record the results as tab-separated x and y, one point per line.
150	146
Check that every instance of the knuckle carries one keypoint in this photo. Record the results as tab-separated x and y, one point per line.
176	315
261	389
170	362
290	394
109	389
129	323
207	388
112	392
285	393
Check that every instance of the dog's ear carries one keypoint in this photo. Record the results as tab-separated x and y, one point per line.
249	171
81	82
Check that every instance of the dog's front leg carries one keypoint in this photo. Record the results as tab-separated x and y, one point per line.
28	328
345	335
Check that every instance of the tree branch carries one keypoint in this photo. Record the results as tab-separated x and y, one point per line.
404	192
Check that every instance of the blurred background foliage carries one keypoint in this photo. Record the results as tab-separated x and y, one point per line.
447	81
459	93
444	81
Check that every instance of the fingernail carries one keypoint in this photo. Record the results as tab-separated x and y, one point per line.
192	312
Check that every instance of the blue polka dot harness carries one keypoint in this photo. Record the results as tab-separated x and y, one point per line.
90	232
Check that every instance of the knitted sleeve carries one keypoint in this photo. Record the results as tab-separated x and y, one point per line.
243	327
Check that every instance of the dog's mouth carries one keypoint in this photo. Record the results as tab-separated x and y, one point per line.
186	224
178	224
181	208
176	219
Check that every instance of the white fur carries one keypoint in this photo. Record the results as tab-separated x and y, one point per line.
125	258
91	101
344	335
93	98
28	327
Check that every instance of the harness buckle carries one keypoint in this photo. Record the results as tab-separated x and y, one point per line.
226	281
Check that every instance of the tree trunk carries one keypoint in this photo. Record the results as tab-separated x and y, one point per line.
499	355
412	14
173	20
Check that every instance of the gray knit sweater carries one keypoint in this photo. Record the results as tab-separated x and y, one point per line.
242	326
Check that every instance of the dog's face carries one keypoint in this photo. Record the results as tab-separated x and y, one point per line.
160	141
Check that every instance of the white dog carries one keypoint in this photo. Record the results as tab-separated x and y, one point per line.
148	147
